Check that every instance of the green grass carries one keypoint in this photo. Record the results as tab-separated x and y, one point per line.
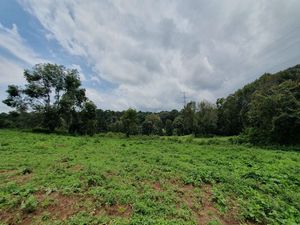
55	179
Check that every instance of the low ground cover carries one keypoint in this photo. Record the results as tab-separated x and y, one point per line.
55	179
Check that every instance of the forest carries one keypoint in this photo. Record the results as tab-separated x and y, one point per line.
266	111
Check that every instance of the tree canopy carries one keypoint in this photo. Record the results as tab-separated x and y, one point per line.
264	111
53	93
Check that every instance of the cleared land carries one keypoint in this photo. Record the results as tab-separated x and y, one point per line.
54	179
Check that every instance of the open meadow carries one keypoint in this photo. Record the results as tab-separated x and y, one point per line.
107	179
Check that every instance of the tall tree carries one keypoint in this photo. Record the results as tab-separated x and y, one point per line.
189	118
169	127
206	118
178	126
129	119
52	91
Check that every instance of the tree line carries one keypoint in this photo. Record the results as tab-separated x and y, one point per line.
264	111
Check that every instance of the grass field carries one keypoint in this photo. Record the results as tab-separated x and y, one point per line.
55	179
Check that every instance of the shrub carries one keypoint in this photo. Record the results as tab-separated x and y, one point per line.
26	170
29	205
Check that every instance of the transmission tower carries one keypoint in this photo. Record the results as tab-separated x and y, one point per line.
184	99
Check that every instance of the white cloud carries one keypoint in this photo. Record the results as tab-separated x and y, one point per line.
11	73
154	50
11	40
12	65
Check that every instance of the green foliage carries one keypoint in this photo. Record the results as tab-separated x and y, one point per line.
274	114
152	125
29	205
169	127
206	118
129	121
141	179
267	110
178	126
54	96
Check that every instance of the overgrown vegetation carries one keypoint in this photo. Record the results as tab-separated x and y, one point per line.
106	179
266	111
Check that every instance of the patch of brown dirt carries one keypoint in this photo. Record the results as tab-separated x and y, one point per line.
119	210
8	172
207	211
21	179
77	168
8	217
114	210
15	175
63	206
188	197
157	186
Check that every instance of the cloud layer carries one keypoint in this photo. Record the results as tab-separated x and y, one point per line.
153	51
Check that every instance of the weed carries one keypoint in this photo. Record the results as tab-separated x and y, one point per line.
26	170
29	205
113	183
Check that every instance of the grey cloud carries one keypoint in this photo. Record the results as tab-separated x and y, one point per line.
154	50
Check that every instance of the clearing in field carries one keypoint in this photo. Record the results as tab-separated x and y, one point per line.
53	179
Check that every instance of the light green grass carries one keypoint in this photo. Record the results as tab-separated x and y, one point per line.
143	181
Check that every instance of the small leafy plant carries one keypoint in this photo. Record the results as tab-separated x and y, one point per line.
29	205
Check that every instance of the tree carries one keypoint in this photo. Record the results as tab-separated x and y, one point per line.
189	119
88	115
147	127
274	114
178	126
152	125
206	118
129	121
53	92
169	127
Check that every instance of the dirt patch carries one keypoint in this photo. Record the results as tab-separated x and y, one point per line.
63	207
16	176
119	210
114	210
8	217
8	172
77	168
21	179
203	208
188	197
60	207
157	186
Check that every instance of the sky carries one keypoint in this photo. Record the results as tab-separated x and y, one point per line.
147	54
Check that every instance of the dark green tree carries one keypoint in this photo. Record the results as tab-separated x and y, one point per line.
52	92
169	127
189	118
178	126
274	114
129	119
206	118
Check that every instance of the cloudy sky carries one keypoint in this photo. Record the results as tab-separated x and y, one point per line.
145	54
